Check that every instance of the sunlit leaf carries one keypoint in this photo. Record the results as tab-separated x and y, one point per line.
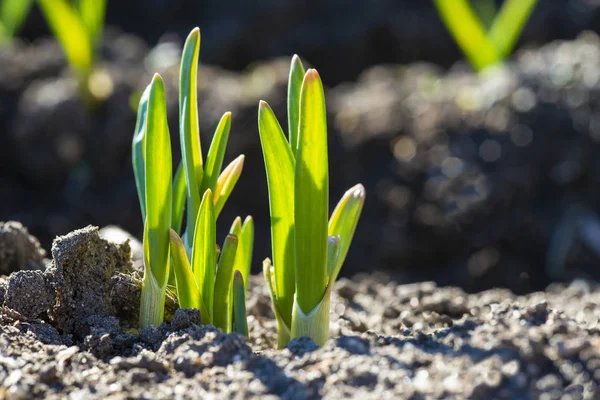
240	324
188	293
203	251
293	101
189	133
509	24
311	195
243	257
222	307
279	164
343	222
178	199
216	154
137	149
68	27
226	183
469	33
158	188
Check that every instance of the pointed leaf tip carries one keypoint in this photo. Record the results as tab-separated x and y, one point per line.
359	191
312	74
263	104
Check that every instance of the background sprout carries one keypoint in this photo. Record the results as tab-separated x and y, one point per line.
78	28
482	48
200	190
12	16
308	251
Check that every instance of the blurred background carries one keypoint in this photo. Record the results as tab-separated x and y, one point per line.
478	177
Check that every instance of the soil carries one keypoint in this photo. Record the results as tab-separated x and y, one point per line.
62	335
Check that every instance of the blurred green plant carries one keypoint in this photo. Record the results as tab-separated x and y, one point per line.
12	16
78	25
482	47
200	190
308	251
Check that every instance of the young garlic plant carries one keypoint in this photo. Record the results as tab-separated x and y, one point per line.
308	250
216	289
77	26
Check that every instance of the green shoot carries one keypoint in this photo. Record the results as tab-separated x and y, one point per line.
482	48
308	251
240	324
12	16
157	164
245	234
196	191
204	284
78	29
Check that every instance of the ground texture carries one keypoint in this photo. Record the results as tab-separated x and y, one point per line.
68	330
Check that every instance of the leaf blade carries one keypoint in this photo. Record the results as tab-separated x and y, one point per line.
468	32
223	285
279	166
189	132
216	153
204	252
240	324
138	150
293	100
226	182
188	293
69	29
311	195
158	189
179	193
343	222
243	257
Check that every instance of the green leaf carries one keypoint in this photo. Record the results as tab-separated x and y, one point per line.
188	293
240	324
178	199
469	34
12	15
137	150
343	222
293	101
236	227
222	307
68	27
158	189
311	197
216	154
226	183
189	133
509	24
279	164
203	251
92	14
243	257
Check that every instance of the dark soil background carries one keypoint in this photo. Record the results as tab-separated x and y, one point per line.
479	182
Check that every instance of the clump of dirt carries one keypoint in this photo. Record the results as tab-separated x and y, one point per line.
81	271
18	249
388	340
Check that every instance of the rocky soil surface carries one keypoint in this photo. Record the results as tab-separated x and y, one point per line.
69	330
